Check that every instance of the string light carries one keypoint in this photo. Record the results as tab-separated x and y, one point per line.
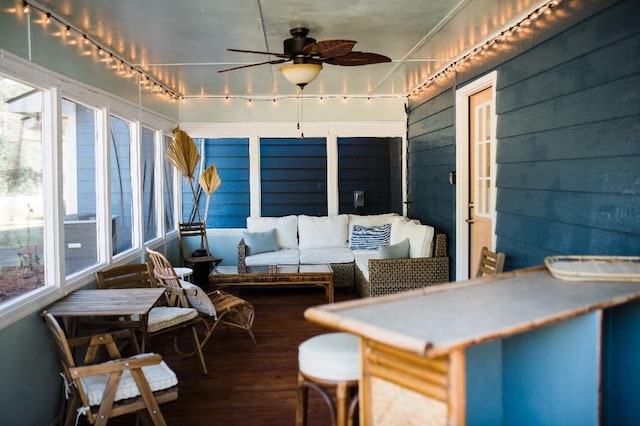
495	42
113	60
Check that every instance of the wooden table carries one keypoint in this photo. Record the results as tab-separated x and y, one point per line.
523	348
108	302
281	275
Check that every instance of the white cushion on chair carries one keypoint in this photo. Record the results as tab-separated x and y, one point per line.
162	317
159	376
330	356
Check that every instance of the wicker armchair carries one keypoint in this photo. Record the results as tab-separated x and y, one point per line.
387	276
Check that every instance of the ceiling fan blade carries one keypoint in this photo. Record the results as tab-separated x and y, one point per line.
357	58
276	61
329	48
279	55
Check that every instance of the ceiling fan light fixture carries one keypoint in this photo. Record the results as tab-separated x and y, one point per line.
301	74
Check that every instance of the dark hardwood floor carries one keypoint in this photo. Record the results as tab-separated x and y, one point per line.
247	384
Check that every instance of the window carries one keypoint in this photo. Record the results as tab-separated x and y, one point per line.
21	189
120	132
169	173
149	222
79	142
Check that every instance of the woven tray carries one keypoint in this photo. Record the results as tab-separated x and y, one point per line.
594	268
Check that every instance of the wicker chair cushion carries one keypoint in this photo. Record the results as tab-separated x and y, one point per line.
280	257
362	260
286	228
326	255
159	376
330	356
162	317
200	300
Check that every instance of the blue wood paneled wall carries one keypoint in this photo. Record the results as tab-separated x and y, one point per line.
293	175
229	205
374	166
568	177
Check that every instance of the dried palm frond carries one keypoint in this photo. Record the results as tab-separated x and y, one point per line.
183	153
209	181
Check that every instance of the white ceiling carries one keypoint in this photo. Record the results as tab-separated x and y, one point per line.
183	43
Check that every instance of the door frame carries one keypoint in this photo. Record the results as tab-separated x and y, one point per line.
462	168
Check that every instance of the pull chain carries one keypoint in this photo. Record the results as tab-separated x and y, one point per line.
300	114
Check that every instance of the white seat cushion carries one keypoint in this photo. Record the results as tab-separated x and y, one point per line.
280	257
362	260
162	317
330	356
326	255
159	376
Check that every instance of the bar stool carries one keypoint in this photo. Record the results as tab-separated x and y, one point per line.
329	361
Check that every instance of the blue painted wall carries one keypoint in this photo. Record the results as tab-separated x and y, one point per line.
568	153
293	175
371	165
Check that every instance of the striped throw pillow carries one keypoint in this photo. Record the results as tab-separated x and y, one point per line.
369	237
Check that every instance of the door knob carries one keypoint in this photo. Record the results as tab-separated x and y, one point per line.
470	220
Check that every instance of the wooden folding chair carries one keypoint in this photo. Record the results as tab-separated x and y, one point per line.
198	231
491	263
173	316
137	384
226	308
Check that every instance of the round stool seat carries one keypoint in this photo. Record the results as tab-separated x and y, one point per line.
330	356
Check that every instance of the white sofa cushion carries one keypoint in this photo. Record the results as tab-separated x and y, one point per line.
362	260
286	228
420	237
369	220
316	256
280	257
322	231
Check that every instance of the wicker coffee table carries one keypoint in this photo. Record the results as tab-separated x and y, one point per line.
319	275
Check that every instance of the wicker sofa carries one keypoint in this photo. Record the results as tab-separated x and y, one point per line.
349	243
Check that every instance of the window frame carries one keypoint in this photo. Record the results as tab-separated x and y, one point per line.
54	88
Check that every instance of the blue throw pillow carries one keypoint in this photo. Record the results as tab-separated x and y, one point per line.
369	238
261	242
395	251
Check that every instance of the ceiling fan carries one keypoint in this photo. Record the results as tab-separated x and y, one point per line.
308	55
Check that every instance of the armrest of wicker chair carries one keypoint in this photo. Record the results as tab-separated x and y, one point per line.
242	255
388	276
